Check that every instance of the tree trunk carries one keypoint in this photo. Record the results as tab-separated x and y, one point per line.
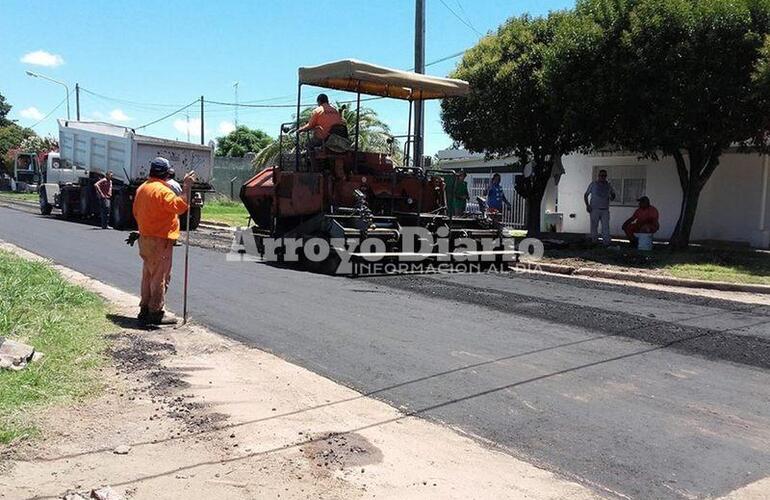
702	163
534	204
532	189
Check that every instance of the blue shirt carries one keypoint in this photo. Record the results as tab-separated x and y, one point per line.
495	197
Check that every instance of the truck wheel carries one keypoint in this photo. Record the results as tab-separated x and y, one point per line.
45	207
195	219
85	204
67	210
121	212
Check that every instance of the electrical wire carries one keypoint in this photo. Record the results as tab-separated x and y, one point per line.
126	101
49	113
247	104
196	101
459	18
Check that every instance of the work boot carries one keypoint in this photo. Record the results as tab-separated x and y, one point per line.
144	312
158	318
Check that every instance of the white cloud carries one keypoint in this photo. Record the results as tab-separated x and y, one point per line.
42	58
226	127
119	116
193	126
32	113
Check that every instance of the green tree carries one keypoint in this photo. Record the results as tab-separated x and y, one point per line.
679	78
11	137
5	108
242	140
374	135
512	108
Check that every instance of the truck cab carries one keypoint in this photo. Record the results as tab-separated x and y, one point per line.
26	172
57	173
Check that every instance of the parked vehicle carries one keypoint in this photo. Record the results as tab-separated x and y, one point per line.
89	149
26	173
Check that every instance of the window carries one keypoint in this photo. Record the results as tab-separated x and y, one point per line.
480	184
629	183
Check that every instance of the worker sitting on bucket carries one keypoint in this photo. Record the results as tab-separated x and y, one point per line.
157	209
322	120
643	220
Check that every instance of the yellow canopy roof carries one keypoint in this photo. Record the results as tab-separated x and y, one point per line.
357	76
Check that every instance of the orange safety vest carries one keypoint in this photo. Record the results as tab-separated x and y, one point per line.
156	210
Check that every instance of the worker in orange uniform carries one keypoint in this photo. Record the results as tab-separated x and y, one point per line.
157	209
643	220
322	119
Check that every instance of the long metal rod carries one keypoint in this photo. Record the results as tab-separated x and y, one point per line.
187	252
296	145
419	67
408	134
77	101
358	123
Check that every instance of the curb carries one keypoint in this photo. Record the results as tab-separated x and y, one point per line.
10	203
216	225
656	280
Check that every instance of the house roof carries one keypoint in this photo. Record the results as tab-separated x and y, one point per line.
370	79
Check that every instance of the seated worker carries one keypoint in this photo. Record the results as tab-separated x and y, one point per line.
644	220
322	119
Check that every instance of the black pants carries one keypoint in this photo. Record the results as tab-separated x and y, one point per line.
104	211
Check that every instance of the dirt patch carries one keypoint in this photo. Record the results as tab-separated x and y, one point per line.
341	451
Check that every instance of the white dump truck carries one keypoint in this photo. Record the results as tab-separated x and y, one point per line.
87	150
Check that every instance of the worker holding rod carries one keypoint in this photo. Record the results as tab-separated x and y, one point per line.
157	209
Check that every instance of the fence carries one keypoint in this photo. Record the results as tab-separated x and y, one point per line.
515	216
237	170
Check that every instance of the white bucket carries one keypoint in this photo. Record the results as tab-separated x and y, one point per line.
644	241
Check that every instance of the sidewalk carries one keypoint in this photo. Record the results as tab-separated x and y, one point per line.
196	415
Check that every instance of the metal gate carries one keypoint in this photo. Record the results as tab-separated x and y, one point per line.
514	217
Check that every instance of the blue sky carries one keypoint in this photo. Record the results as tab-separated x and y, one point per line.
146	57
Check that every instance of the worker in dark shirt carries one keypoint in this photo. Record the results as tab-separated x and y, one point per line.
103	189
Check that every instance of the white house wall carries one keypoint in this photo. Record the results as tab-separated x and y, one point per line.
729	208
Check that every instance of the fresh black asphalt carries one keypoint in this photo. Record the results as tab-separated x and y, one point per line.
632	392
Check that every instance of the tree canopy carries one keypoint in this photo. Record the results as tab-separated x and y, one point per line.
686	79
242	140
5	108
675	78
512	108
11	135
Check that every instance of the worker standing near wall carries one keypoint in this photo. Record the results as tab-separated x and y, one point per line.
157	209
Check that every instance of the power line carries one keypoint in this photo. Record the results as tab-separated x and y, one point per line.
271	106
247	104
126	101
459	18
49	113
196	101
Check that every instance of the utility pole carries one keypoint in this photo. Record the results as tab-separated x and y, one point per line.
419	67
235	86
202	121
187	118
77	101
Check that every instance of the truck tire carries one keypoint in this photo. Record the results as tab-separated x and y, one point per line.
85	203
122	218
67	210
195	219
45	207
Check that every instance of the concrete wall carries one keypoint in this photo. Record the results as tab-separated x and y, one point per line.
729	209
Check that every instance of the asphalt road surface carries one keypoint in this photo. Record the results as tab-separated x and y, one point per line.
635	393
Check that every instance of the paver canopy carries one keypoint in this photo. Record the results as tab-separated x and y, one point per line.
370	79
